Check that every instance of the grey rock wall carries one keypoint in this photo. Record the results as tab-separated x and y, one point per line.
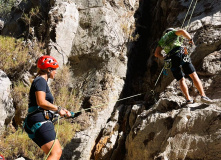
64	21
6	105
170	129
173	130
99	62
94	38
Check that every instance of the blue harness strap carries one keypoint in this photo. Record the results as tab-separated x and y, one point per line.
36	126
33	109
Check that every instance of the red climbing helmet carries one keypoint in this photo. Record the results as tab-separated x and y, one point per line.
46	61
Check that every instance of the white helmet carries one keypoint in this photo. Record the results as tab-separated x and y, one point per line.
167	30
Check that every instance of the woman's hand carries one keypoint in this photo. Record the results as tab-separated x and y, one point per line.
64	112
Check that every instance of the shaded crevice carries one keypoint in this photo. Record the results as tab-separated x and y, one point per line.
96	142
139	53
52	34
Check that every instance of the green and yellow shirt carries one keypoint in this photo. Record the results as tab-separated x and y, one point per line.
169	41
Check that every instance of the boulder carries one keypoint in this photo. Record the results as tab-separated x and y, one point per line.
6	104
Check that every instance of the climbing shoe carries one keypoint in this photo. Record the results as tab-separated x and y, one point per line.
206	99
189	101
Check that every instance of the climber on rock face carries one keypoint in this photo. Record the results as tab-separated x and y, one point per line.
171	44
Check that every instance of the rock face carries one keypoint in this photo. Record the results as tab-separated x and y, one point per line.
99	62
6	105
95	38
173	130
1	24
64	20
170	129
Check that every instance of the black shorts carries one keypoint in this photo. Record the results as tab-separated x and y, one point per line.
44	134
179	67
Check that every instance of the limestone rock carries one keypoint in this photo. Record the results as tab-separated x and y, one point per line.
1	24
6	105
21	158
173	130
99	62
64	20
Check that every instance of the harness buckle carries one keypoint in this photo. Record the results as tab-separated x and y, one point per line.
167	64
186	58
46	115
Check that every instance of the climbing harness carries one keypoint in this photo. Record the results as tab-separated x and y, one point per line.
37	125
186	58
34	128
167	64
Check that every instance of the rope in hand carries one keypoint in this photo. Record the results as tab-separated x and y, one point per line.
73	113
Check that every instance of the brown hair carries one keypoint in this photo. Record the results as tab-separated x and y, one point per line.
40	72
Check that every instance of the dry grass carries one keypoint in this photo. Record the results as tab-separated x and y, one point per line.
20	95
18	144
14	145
17	56
64	95
20	100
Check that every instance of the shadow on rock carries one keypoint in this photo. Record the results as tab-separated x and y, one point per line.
166	105
202	106
69	149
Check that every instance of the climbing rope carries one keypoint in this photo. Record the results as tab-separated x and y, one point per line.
191	14
53	142
187	13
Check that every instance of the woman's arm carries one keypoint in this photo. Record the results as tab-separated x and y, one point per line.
43	103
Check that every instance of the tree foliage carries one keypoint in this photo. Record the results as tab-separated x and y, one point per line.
5	8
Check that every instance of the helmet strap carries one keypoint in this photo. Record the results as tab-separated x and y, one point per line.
48	74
